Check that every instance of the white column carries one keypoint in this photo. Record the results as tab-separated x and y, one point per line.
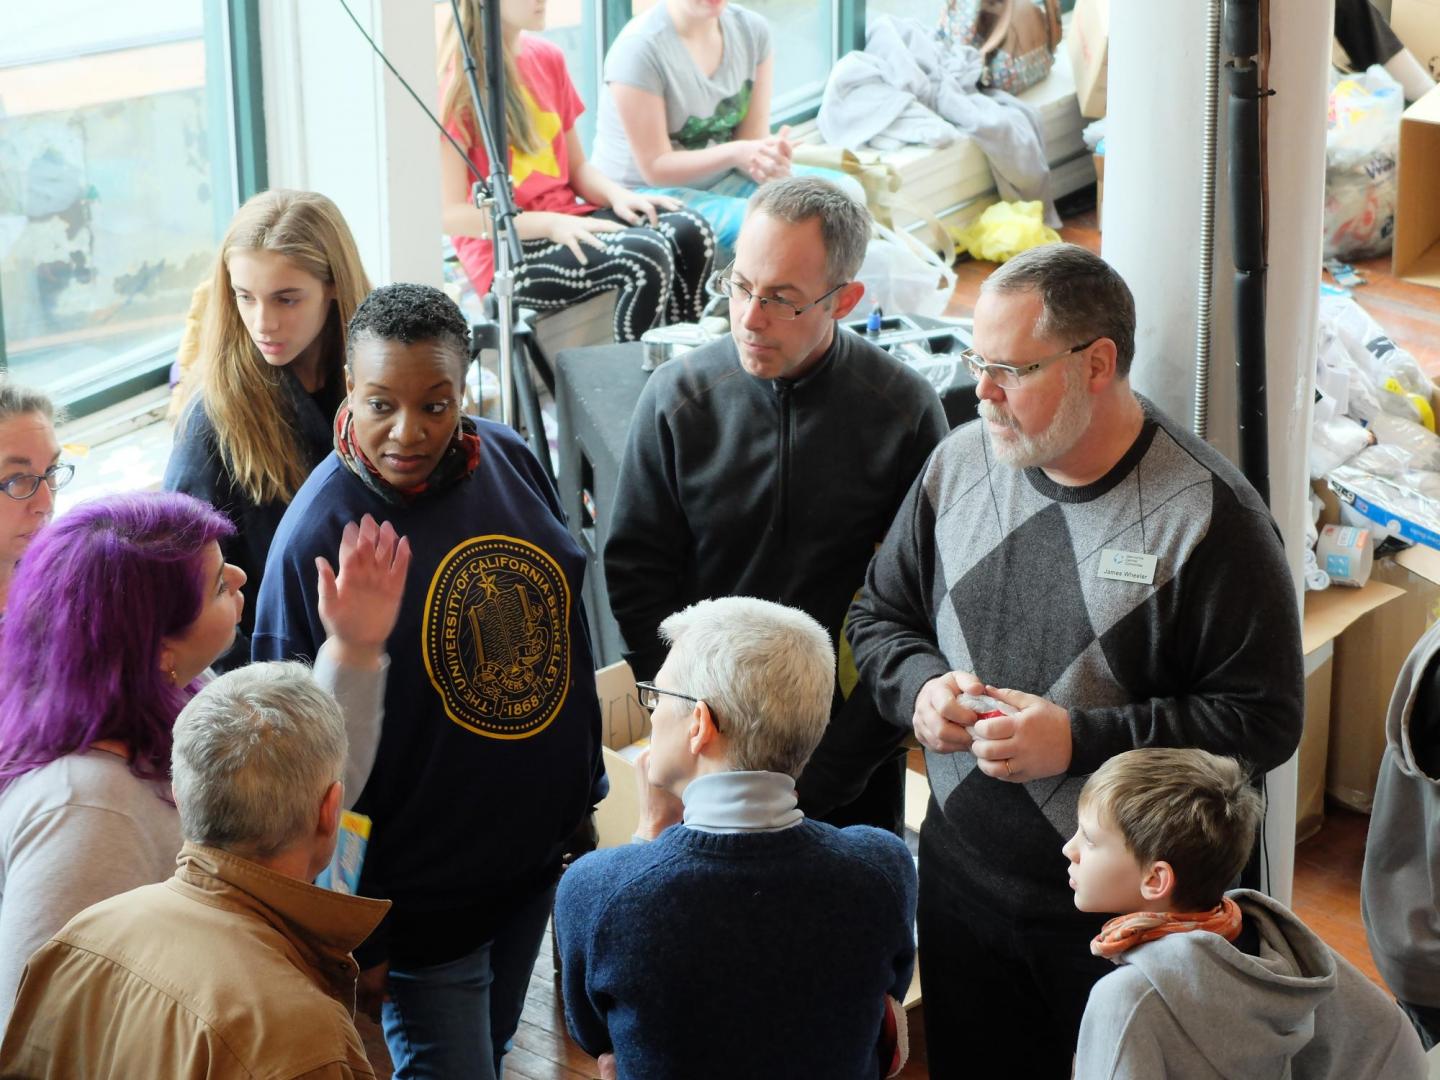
1152	191
339	123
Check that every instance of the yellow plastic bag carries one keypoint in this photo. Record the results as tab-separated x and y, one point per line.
1004	231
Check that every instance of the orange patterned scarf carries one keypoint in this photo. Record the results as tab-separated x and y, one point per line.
1126	931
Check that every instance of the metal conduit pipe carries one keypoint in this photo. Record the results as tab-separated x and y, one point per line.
1200	409
1242	45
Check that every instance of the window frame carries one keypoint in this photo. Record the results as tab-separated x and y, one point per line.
236	102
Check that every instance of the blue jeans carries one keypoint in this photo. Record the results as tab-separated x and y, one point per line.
455	1020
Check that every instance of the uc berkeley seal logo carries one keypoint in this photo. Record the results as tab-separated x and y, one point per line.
496	636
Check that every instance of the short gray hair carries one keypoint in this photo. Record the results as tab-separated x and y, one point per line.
254	753
767	671
18	400
1083	296
844	223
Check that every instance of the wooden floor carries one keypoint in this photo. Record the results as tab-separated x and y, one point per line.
1327	866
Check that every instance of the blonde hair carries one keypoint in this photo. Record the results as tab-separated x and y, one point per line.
1190	808
455	104
253	428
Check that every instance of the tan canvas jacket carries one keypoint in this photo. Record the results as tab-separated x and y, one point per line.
227	969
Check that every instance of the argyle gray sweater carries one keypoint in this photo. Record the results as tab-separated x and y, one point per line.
997	571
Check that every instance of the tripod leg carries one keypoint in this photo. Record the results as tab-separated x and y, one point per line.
529	404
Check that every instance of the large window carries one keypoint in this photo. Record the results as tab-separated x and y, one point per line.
117	178
803	35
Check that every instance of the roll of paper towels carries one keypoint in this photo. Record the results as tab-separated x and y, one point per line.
1346	554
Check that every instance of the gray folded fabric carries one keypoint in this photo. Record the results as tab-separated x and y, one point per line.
908	87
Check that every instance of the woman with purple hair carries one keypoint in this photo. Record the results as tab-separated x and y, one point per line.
114	616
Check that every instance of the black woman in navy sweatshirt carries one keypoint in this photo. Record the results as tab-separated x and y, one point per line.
490	755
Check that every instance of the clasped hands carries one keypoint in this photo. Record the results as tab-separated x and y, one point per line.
1032	744
767	158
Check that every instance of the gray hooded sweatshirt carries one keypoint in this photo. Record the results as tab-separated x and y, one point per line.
1194	1007
1400	889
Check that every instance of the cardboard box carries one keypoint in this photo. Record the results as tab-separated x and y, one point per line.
623	724
1314	743
1417	205
1088	43
1367	662
1417	24
1328	615
1368	504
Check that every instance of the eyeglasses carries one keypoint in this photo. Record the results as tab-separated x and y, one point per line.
649	695
1008	376
26	485
722	284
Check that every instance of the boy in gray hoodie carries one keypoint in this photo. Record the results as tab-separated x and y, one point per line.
1400	890
1210	984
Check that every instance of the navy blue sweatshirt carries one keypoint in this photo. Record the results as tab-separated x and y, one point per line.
490	753
738	954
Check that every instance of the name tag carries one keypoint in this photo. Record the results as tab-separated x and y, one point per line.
1127	566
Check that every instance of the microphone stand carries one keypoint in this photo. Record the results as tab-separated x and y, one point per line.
497	199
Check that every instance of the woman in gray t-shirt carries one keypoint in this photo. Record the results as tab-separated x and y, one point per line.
686	110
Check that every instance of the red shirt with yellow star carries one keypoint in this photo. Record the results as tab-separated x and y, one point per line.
542	178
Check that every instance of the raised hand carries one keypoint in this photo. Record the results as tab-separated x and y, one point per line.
359	606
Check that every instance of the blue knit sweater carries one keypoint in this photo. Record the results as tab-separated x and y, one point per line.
738	954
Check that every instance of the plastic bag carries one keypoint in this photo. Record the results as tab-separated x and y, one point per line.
1422	445
1366	373
1005	230
1334	442
902	275
1360	150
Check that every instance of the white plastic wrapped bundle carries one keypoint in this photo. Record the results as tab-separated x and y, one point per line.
1360	151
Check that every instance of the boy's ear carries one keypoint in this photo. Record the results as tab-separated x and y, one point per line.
1158	885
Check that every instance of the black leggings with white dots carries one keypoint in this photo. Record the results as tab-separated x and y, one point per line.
660	272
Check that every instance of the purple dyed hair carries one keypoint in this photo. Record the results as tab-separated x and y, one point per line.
89	606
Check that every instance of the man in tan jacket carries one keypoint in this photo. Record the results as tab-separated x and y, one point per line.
237	966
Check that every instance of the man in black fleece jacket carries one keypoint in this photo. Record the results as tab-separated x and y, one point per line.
1126	584
770	465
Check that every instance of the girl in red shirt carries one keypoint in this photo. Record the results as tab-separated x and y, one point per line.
581	233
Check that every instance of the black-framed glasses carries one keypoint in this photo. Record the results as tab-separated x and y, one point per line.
722	284
1008	376
25	485
650	694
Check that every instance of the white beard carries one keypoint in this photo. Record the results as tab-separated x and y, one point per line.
1070	422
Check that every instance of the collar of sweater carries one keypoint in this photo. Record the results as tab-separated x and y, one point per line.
738	802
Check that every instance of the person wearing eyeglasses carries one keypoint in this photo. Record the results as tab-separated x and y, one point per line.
1114	583
674	952
31	472
770	464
